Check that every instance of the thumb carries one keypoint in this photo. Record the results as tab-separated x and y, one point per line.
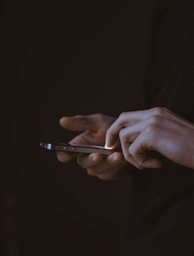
140	150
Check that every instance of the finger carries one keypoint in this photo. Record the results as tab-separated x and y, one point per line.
79	122
81	139
105	163
109	168
128	157
149	162
97	161
89	160
130	133
139	151
127	136
125	119
114	158
65	157
145	161
84	138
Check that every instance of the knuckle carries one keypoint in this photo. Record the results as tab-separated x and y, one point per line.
122	115
121	134
154	120
79	116
164	109
151	129
158	111
150	134
130	158
99	116
131	153
124	136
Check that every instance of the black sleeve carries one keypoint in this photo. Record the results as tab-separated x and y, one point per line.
170	75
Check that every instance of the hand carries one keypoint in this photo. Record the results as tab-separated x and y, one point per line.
156	129
93	128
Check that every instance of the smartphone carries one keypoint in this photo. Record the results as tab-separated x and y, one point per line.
74	148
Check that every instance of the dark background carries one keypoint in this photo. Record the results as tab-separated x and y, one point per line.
65	58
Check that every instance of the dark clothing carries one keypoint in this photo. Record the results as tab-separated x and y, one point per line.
163	200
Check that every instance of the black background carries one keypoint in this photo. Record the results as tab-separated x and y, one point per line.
65	58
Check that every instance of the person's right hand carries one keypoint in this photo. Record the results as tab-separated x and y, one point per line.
156	129
93	128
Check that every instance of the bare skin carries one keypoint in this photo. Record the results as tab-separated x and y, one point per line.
93	130
137	132
156	129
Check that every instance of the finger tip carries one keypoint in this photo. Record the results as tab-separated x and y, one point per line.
63	157
116	157
59	156
106	146
61	120
95	157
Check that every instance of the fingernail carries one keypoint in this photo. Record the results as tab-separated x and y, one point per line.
108	147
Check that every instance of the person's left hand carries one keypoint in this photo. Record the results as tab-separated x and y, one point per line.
93	130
